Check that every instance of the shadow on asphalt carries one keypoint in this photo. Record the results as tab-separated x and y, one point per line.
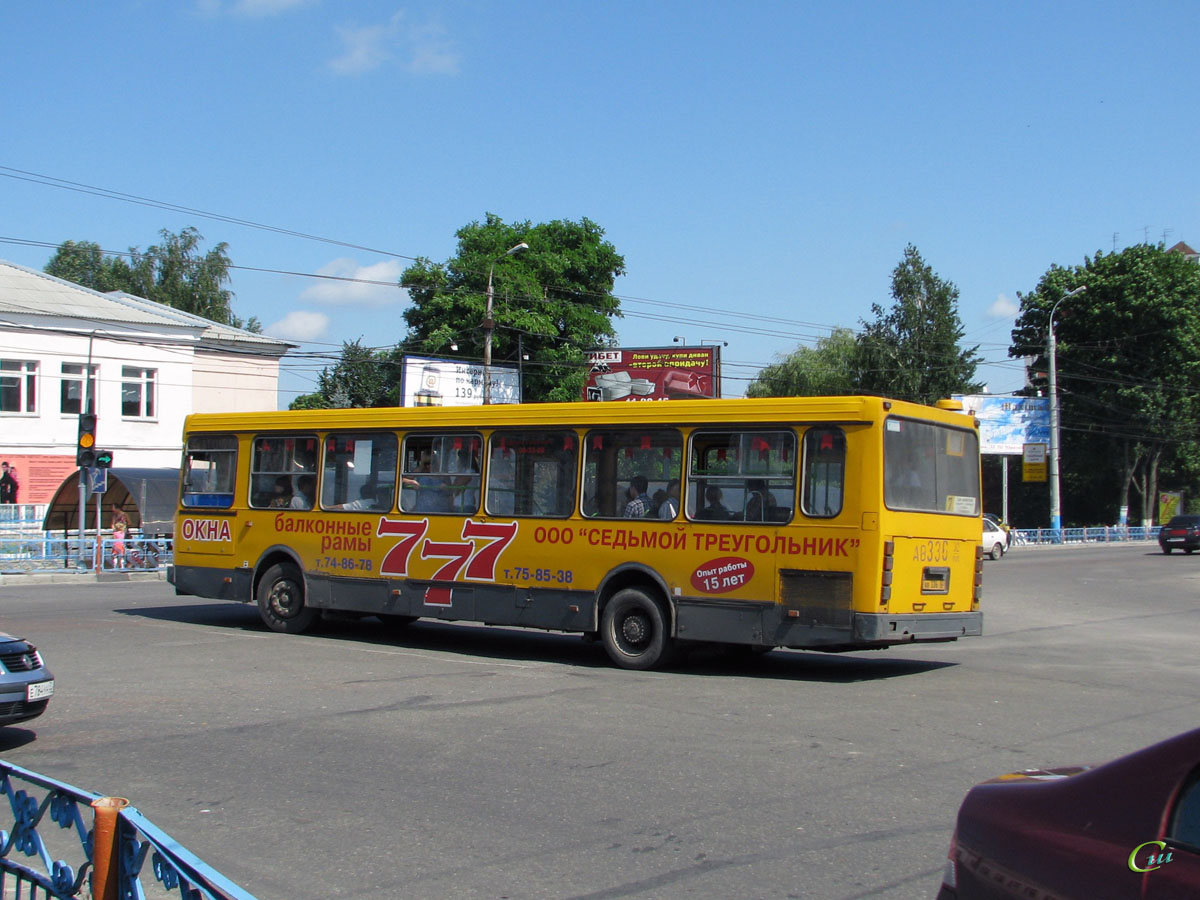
505	644
12	737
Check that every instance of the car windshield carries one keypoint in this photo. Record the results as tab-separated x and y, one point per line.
1183	521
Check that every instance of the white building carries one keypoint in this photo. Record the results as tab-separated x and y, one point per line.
151	365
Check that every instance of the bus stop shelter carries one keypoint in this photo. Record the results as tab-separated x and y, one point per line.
148	498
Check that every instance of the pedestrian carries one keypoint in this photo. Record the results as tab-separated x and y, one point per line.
8	483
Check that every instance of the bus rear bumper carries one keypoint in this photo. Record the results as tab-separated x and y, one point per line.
895	629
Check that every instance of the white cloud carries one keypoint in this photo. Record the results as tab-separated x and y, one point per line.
259	8
256	9
1004	307
420	49
300	325
352	284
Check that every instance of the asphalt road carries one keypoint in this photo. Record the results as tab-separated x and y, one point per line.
471	762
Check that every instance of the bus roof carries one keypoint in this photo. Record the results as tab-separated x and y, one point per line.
638	414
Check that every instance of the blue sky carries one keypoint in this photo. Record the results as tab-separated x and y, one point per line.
751	159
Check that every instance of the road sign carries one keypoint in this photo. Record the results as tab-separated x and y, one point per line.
1035	467
97	481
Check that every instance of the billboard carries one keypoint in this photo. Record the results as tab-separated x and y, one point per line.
429	381
654	373
1007	424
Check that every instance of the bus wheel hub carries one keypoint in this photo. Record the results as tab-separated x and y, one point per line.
635	629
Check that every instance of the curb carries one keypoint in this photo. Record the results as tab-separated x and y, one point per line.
12	578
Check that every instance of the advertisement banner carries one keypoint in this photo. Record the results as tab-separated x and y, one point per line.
1006	424
654	373
428	381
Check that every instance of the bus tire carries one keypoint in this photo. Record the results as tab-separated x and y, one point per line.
636	631
395	621
281	600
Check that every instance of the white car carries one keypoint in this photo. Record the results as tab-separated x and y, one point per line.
994	539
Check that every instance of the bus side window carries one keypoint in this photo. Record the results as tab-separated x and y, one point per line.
742	476
359	472
440	474
531	473
283	467
619	462
209	471
824	471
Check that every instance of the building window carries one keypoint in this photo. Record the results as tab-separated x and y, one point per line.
18	386
137	393
75	394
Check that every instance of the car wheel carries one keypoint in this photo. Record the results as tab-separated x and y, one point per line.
1167	550
1189	550
281	600
997	551
635	631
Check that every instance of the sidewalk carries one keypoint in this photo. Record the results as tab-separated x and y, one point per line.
13	577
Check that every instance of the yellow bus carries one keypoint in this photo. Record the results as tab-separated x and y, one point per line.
825	523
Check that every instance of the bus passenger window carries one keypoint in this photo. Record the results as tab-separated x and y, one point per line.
531	473
742	476
824	471
278	466
209	470
359	472
632	474
441	474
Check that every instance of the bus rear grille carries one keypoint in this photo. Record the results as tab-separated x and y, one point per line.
819	598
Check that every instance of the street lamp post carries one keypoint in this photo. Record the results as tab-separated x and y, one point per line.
489	324
1052	352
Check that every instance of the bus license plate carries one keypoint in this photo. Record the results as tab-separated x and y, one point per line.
39	691
935	580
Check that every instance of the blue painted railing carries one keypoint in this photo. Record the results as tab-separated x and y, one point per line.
118	847
1095	534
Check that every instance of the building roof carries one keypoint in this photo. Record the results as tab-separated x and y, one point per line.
1183	248
31	293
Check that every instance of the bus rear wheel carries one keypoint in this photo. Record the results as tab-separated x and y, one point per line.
281	600
635	631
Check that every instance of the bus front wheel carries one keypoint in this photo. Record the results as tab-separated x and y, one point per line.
635	630
281	600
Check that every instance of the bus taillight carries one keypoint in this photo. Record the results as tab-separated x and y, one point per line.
885	592
978	593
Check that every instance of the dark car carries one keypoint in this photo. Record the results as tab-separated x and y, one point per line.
1181	532
1128	828
26	685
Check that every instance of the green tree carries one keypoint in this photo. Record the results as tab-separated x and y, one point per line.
828	369
912	351
362	377
1128	373
173	272
553	302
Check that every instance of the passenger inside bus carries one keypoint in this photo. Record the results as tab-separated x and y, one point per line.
305	491
760	502
714	508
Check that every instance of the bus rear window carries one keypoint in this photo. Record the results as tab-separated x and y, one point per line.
209	471
930	468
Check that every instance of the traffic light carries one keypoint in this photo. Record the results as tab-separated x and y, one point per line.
85	446
102	459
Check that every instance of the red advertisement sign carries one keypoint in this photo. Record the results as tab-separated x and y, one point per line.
39	475
654	373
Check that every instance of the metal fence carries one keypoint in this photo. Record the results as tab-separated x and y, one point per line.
40	553
77	844
1096	534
